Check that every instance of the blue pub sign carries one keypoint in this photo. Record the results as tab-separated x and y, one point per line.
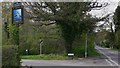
17	13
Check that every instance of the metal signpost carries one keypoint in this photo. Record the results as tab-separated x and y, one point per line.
41	41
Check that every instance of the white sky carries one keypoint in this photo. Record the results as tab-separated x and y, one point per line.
104	11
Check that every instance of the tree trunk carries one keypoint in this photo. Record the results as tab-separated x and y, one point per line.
68	48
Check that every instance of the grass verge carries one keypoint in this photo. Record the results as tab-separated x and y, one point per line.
44	57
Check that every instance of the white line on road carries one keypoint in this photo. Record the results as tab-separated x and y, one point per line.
105	59
108	57
109	62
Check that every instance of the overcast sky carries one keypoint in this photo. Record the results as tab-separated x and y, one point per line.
104	11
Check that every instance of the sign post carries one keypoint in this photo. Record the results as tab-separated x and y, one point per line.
71	55
41	41
17	18
86	47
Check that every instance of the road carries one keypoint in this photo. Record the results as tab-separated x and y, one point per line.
81	62
110	58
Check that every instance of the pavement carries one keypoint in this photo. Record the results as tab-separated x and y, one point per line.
109	58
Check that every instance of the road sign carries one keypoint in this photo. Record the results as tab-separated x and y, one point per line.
70	54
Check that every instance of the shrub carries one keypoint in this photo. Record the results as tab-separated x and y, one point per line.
10	57
80	43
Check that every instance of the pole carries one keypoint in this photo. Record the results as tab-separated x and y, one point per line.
17	40
17	6
86	47
40	49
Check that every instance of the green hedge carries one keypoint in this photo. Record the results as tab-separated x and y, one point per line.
10	57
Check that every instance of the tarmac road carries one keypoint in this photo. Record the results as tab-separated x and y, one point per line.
110	55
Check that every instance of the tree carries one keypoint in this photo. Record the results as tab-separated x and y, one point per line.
117	27
69	16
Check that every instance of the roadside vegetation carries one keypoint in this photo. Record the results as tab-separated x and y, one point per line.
44	57
63	27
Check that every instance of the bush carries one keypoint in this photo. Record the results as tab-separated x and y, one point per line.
10	57
79	46
53	46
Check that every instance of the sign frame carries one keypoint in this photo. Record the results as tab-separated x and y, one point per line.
15	8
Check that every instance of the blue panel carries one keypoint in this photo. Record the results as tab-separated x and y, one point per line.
17	15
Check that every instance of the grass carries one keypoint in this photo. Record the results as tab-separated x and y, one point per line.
56	57
44	57
93	53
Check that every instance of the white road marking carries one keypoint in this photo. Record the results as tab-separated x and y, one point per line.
109	62
108	57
